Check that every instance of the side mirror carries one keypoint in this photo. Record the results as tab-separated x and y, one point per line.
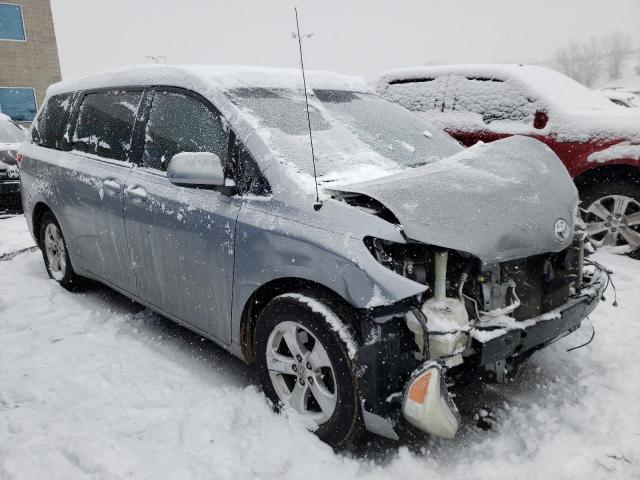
540	119
196	169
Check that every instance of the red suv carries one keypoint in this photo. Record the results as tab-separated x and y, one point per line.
598	141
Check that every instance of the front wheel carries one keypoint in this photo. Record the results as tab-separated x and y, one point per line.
612	215
304	364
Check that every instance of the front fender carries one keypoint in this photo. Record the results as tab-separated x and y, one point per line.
271	247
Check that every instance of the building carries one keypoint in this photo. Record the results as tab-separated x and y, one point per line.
28	56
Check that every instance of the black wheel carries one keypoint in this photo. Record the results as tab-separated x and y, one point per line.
305	364
55	254
613	216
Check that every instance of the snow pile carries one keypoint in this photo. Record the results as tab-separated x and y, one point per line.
92	386
621	150
14	235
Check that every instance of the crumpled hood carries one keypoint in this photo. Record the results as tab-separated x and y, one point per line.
497	201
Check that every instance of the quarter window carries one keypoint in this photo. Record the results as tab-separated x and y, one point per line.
180	123
11	24
18	103
105	123
247	173
48	129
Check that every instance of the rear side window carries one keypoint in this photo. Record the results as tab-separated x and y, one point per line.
105	123
181	123
49	128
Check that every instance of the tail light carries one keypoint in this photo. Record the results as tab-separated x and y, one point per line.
19	157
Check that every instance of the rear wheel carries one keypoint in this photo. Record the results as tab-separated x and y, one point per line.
304	364
612	215
55	254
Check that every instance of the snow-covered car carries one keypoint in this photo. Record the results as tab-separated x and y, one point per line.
191	190
598	141
621	98
11	135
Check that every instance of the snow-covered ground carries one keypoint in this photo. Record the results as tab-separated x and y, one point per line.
94	386
14	234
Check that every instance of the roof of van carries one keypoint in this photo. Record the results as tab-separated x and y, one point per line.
220	77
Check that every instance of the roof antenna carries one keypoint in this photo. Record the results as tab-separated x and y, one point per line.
318	204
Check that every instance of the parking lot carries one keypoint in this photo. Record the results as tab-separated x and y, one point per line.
95	386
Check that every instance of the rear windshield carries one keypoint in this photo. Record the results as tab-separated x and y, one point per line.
10	133
353	132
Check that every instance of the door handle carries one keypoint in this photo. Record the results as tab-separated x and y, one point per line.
136	192
111	186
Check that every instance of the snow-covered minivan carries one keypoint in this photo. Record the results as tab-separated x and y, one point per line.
598	142
412	260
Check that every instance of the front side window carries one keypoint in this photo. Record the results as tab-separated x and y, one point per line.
11	24
105	123
18	103
181	123
48	129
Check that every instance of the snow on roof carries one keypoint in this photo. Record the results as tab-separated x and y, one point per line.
220	77
557	88
4	118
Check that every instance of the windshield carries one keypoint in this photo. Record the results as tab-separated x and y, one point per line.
356	136
10	133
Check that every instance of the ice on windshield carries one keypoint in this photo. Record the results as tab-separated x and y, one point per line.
356	135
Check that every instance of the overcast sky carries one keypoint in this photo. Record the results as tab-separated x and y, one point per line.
362	37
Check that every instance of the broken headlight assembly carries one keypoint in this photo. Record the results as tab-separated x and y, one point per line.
409	260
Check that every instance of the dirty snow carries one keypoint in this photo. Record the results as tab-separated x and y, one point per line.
94	386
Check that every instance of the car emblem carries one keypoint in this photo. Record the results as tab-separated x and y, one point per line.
561	229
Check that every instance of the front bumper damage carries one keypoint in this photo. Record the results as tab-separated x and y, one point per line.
394	382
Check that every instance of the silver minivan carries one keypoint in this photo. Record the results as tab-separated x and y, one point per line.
360	282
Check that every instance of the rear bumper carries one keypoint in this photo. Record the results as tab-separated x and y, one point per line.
491	344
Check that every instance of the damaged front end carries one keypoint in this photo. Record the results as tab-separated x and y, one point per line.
474	317
493	234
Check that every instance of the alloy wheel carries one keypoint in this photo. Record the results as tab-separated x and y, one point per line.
55	250
614	221
301	371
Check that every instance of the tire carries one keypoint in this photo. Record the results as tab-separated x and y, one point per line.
55	253
281	317
613	216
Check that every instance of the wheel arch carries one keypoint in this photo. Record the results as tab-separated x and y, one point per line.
39	210
267	292
607	173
